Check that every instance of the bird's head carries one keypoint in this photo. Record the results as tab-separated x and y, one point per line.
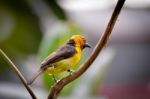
78	41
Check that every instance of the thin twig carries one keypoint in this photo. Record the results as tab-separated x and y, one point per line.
14	67
55	90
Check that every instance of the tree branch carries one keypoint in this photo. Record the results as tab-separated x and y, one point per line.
14	67
55	90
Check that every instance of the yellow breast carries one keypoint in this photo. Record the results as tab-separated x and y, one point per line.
65	64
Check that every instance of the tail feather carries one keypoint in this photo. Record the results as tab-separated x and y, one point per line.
34	77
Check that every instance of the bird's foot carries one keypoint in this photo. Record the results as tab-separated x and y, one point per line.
57	81
70	71
54	78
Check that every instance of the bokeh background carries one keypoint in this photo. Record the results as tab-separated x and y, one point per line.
31	29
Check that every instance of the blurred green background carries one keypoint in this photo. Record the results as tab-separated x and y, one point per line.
31	29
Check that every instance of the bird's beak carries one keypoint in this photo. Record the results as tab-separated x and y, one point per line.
87	45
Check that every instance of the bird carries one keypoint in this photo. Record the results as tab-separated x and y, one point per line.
64	58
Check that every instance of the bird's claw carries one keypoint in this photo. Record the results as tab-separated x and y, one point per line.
70	71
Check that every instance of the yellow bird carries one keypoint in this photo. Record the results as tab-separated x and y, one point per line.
64	58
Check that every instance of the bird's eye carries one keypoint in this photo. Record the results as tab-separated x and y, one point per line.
71	42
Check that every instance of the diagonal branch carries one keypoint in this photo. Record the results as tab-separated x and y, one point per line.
101	43
23	80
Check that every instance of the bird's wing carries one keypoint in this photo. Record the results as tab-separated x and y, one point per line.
60	54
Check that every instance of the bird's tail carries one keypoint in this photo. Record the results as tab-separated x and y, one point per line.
34	77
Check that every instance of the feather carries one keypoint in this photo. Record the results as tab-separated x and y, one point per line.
63	52
35	76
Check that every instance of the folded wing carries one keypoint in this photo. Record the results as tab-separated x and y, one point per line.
63	52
